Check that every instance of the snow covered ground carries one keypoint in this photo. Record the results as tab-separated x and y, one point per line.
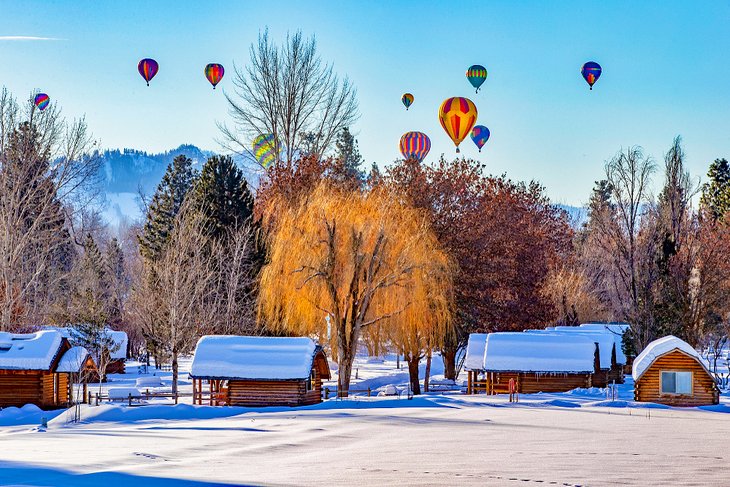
446	438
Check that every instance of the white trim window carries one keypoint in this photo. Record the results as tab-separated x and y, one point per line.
672	382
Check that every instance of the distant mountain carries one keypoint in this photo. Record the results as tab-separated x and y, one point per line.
130	170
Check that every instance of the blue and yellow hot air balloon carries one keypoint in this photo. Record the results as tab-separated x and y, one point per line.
591	71
415	145
264	149
480	136
476	75
407	100
457	116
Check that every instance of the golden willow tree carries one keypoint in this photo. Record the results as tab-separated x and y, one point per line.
342	261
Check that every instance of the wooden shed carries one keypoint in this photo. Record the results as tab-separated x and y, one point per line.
474	362
538	362
258	371
29	369
669	371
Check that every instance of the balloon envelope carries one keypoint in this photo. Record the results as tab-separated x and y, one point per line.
591	71
415	145
214	73
41	101
148	69
264	149
476	75
457	116
480	136
407	99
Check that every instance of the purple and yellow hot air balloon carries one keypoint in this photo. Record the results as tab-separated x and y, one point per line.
148	69
476	75
41	100
591	71
480	136
415	145
214	73
407	100
457	116
264	149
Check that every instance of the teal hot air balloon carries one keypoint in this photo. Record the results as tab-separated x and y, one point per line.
407	100
477	75
480	135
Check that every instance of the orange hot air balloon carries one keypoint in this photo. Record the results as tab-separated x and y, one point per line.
458	116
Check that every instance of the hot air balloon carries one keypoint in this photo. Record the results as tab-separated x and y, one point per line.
214	73
591	71
480	136
41	101
407	99
264	148
415	145
476	75
148	69
457	116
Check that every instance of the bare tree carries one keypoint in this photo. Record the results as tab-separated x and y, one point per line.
46	163
287	91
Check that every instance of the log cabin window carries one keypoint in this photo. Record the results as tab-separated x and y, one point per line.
310	381
676	382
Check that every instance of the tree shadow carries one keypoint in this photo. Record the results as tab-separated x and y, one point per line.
26	474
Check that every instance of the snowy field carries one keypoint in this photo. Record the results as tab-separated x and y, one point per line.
445	438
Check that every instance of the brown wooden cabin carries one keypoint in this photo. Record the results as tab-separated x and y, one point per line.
537	362
669	371
258	371
119	356
29	370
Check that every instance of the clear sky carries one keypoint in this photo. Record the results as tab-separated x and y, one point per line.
665	73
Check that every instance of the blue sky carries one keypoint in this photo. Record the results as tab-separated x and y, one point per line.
665	73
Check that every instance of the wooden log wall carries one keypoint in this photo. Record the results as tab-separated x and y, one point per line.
529	383
704	389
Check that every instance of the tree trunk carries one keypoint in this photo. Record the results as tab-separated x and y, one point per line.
448	354
428	371
174	372
413	374
346	357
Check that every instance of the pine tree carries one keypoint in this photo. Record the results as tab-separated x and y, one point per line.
118	280
348	154
716	192
165	205
222	194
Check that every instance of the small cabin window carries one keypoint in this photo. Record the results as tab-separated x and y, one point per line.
676	382
310	381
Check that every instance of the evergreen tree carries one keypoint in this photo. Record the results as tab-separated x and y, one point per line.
716	192
348	154
118	280
222	194
165	205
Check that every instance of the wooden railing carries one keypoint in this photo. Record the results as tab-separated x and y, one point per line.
97	398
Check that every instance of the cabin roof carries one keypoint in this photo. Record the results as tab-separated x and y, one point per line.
119	338
475	351
616	330
660	347
604	339
539	352
73	360
254	358
30	351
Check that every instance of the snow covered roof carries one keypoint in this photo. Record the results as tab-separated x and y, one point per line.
255	358
616	330
539	352
73	360
475	351
660	347
603	338
31	351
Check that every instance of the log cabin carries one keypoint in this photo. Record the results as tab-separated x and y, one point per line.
537	362
669	371
617	331
119	356
258	371
29	369
610	366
